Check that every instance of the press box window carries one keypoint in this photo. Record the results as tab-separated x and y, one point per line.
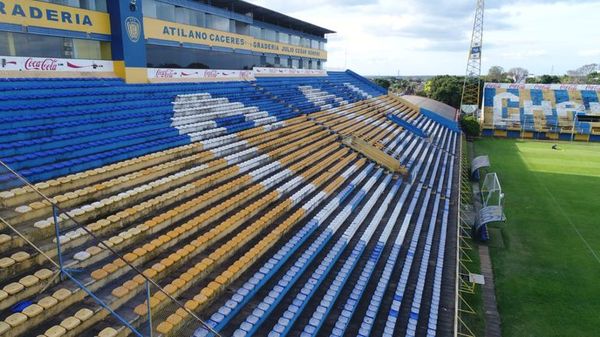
295	40
269	35
165	11
31	45
95	5
217	22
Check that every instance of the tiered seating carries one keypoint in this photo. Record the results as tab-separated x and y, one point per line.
352	80
264	203
321	98
542	111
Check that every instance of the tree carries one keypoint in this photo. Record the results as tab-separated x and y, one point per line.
382	82
581	74
446	89
518	75
546	79
470	126
496	74
593	78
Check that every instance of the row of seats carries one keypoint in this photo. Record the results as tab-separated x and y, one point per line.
218	319
216	323
141	228
215	207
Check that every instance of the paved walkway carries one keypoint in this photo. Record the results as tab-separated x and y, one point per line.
492	317
490	306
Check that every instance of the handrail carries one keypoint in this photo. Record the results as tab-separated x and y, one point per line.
55	206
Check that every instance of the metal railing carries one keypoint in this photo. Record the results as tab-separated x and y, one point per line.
61	237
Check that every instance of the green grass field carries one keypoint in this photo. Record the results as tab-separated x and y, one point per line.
548	272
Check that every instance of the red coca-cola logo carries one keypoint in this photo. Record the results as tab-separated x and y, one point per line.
165	73
41	64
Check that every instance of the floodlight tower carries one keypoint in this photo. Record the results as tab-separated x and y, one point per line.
472	87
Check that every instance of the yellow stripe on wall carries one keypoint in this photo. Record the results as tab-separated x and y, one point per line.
171	31
47	15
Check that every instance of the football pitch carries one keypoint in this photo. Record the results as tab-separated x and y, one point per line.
546	257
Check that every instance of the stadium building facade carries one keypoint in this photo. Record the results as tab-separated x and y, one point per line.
127	38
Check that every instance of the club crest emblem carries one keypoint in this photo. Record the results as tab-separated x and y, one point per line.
134	29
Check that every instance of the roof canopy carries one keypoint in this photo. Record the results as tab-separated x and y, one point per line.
270	16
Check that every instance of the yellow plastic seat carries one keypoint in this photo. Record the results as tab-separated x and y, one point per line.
164	327
16	319
4	327
13	288
130	285
108	332
120	291
62	294
170	289
47	302
150	273
55	331
140	252
130	257
179	283
191	305
99	274
139	279
149	247
70	323
94	250
6	262
83	314
29	281
110	268
32	310
3	295
174	319
158	267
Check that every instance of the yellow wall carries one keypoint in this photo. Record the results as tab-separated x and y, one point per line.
171	31
47	15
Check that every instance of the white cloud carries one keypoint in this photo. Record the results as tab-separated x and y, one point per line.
432	37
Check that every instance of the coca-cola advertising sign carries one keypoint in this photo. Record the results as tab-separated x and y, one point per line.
41	64
200	74
264	72
49	64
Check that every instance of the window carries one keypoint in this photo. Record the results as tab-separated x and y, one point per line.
284	62
20	44
149	8
217	22
183	15
322	45
319	65
241	28
177	57
269	35
295	40
314	44
305	42
165	11
295	63
197	18
95	5
6	49
256	32
283	38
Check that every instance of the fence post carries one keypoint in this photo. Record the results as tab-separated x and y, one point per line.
57	231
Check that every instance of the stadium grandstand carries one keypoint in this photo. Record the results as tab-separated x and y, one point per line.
188	168
542	111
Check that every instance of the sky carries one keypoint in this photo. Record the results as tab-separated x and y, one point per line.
432	37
